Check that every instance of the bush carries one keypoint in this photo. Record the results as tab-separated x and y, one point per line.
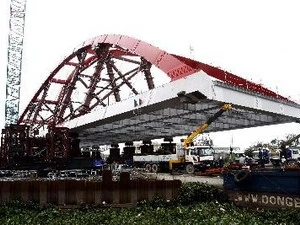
190	193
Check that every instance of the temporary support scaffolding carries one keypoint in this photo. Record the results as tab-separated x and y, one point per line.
14	58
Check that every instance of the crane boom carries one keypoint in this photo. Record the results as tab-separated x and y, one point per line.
288	142
199	130
14	58
196	132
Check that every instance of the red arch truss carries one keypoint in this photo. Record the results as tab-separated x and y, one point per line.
91	77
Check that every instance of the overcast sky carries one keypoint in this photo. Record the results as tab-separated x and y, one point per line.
257	40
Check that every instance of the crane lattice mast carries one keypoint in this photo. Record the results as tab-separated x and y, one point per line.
14	57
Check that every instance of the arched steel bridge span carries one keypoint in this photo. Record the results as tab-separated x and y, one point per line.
121	73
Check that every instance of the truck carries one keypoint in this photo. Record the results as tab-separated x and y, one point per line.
160	160
186	157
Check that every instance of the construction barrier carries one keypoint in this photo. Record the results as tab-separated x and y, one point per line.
68	192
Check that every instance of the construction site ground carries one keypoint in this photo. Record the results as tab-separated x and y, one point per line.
212	180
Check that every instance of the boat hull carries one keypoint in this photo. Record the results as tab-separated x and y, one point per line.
263	188
263	200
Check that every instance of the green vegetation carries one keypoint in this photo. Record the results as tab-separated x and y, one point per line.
196	204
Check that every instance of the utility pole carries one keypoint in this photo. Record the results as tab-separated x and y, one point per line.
14	60
191	48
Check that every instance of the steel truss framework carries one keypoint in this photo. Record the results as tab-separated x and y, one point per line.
14	58
94	76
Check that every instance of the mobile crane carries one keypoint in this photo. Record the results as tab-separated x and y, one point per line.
195	133
182	158
190	167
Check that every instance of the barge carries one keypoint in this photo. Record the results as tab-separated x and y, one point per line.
269	188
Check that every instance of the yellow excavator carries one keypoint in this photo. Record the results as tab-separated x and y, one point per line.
189	162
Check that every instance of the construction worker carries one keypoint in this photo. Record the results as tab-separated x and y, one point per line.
260	156
266	155
285	153
288	153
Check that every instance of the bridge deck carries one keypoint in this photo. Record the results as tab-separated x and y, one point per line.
166	112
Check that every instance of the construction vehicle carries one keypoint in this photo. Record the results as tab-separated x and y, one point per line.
181	158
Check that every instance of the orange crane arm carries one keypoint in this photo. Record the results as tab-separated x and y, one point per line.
199	130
